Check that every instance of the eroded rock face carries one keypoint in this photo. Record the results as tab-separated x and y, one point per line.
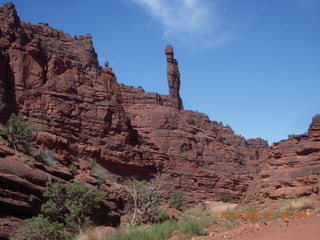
55	81
207	158
291	168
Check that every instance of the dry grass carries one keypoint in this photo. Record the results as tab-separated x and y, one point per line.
297	204
90	234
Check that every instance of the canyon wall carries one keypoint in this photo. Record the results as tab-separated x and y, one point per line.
55	81
290	169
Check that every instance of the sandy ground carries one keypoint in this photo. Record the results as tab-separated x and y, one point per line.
218	207
294	228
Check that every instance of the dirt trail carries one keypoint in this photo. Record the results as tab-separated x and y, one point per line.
289	229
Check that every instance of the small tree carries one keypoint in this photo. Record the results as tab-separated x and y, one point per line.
18	131
67	211
146	198
71	204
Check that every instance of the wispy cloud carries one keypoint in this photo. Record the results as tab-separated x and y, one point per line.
196	23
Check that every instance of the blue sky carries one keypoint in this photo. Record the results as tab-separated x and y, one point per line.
254	65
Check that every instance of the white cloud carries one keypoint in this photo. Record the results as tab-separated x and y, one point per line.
192	22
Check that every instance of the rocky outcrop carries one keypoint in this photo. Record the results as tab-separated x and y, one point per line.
22	186
290	169
207	158
173	76
55	81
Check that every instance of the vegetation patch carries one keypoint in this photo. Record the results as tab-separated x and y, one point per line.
18	131
227	197
176	200
47	157
297	204
68	211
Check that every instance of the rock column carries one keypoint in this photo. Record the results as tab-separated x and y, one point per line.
173	76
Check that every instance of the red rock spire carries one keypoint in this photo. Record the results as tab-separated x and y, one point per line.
173	76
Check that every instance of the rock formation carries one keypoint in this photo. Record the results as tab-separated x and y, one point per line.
173	76
291	169
55	81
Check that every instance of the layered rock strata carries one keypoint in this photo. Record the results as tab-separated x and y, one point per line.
291	169
55	81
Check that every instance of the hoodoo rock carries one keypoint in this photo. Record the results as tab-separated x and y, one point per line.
173	76
291	169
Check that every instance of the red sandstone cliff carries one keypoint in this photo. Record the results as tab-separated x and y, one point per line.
55	81
291	169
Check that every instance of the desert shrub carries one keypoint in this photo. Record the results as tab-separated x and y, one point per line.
146	198
47	157
176	200
194	226
68	210
71	204
227	197
291	135
160	216
230	224
101	174
73	167
158	231
18	131
30	163
39	228
198	211
298	204
27	147
92	162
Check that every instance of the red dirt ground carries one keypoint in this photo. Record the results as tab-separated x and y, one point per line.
281	229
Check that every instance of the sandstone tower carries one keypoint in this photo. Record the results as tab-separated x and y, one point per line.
173	76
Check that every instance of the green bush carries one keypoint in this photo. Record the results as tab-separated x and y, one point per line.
68	210
160	216
194	226
38	228
227	197
71	204
18	131
176	200
73	167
